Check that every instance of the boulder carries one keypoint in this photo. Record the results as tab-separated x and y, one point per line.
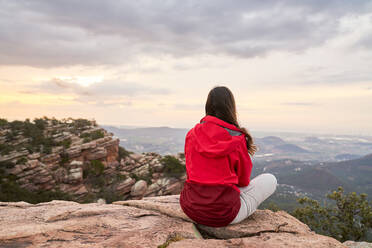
31	164
139	188
101	201
136	156
158	167
76	163
152	189
75	175
126	186
141	171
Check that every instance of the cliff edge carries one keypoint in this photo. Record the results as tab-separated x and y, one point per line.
149	222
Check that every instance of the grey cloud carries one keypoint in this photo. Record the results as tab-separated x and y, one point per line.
110	88
105	93
366	40
59	33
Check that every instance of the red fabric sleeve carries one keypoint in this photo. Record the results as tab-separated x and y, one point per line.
243	166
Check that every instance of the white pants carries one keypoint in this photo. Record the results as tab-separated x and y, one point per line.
258	190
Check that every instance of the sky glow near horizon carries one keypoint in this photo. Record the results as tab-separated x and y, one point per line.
292	66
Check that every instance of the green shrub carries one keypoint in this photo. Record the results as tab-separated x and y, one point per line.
55	121
135	177
120	177
64	158
30	148
173	167
10	135
85	135
47	149
273	207
96	167
66	143
349	219
109	195
22	160
92	136
81	123
5	149
7	164
97	134
40	123
16	125
12	192
123	153
3	122
146	178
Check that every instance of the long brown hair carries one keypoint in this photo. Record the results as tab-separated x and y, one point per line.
221	104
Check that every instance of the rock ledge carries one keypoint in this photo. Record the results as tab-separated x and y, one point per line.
150	222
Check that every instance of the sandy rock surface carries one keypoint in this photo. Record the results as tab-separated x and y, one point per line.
149	222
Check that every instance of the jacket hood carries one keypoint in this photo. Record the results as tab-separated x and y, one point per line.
211	139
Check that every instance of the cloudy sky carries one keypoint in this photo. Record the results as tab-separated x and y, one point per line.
292	65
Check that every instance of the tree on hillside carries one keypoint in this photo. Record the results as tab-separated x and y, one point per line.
350	218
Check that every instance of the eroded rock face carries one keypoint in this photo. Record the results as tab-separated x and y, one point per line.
86	167
149	222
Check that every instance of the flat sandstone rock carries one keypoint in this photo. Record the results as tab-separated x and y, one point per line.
149	222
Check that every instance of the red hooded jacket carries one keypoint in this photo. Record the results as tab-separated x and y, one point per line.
217	161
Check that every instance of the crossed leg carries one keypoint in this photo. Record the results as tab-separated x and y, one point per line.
251	196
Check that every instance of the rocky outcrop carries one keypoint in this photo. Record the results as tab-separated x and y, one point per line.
150	222
145	173
83	162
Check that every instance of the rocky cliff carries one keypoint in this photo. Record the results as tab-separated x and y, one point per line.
150	222
82	161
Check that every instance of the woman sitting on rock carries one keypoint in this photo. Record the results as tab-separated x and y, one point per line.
218	190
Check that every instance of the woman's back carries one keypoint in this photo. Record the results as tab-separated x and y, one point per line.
217	161
218	190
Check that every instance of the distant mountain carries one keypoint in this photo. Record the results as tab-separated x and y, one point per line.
162	140
290	148
277	147
356	172
314	180
346	156
299	178
270	141
313	139
167	140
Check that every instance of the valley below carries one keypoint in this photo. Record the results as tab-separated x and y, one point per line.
83	161
305	164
